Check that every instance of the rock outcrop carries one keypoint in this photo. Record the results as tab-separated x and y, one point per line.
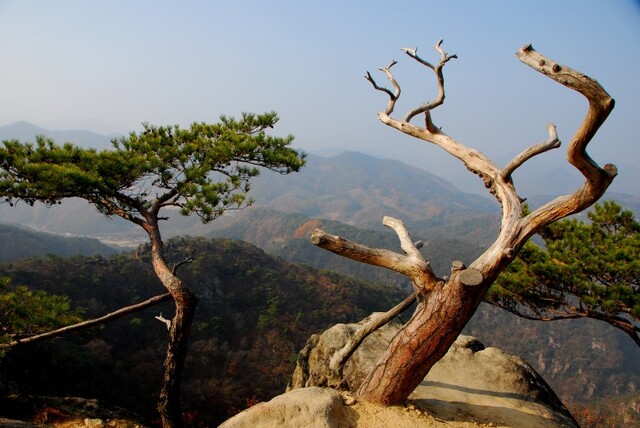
306	407
488	385
471	385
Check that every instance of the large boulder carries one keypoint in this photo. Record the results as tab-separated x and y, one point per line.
312	407
313	365
317	407
471	383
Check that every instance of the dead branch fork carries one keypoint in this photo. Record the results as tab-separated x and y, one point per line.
516	226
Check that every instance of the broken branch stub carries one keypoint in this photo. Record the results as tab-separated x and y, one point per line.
447	306
470	277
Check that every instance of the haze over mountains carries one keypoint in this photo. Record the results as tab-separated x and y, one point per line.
351	187
26	132
542	175
348	194
26	243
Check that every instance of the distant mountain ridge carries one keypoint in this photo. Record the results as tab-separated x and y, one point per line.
17	242
287	235
352	188
535	178
360	189
27	132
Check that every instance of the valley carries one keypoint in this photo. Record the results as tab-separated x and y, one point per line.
264	288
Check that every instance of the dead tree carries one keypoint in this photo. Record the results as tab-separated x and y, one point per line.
446	305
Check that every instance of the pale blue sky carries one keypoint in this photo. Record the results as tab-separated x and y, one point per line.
72	64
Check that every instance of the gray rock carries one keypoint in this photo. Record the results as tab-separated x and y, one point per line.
312	368
488	385
307	407
470	383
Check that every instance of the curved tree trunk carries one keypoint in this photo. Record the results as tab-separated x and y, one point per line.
423	341
169	400
446	305
179	330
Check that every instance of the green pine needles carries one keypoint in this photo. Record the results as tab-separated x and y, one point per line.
203	170
24	312
586	269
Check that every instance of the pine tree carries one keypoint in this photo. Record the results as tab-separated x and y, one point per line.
204	170
24	312
584	269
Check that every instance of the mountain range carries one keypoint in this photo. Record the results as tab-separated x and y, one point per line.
352	188
21	243
541	175
348	194
26	132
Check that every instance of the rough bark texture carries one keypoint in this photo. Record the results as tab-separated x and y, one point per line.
185	308
422	341
169	401
446	305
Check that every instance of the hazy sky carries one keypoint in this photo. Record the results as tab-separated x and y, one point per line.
110	65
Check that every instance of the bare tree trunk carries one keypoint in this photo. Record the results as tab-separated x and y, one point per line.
446	304
185	307
169	400
422	342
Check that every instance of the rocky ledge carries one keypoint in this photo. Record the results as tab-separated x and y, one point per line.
471	386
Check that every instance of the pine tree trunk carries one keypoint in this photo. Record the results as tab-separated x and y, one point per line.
422	341
169	400
447	305
179	330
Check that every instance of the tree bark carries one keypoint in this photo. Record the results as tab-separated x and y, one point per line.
421	342
185	307
446	305
169	400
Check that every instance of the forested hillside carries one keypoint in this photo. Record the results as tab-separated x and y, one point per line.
255	307
352	188
20	243
255	313
585	361
288	235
